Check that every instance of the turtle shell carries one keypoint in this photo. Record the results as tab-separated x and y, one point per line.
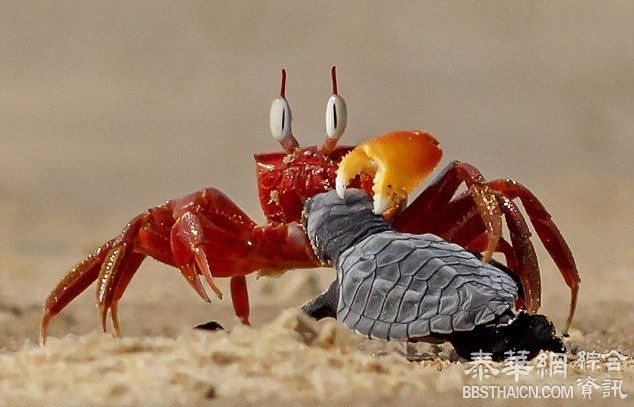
404	287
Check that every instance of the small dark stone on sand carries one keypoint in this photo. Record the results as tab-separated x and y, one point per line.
210	394
210	326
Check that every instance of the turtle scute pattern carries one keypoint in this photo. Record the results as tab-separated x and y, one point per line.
397	286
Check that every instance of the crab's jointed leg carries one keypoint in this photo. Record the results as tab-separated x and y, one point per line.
426	213
527	266
77	280
548	233
202	233
80	277
426	209
451	223
477	214
187	240
108	279
240	298
479	244
462	224
129	267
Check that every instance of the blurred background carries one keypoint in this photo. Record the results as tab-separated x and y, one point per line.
108	108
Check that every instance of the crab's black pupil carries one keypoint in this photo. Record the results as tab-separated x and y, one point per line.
334	114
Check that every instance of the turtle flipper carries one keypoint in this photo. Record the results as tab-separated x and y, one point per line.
325	305
530	333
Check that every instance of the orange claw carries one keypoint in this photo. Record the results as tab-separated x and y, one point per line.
399	161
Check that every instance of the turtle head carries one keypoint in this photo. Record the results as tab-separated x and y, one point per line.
334	224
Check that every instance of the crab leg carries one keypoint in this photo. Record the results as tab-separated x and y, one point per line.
240	298
201	233
548	233
398	161
426	212
458	222
461	224
527	266
426	209
187	239
190	273
479	244
129	267
461	209
108	278
83	275
80	277
116	272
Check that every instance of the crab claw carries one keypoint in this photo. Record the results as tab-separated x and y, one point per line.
399	161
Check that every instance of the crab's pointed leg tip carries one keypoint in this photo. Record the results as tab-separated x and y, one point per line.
103	320
42	339
114	315
203	294
200	290
217	291
44	328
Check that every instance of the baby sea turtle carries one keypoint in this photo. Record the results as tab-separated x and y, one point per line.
411	288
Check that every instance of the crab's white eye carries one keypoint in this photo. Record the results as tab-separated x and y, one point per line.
280	119
336	117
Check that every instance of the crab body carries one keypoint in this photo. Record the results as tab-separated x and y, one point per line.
286	180
206	234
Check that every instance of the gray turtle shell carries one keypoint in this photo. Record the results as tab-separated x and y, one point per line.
399	286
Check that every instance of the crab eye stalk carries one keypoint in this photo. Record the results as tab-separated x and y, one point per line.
336	116
280	119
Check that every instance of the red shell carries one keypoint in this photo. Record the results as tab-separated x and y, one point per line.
286	180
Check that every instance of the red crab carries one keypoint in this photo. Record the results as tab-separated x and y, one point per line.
205	233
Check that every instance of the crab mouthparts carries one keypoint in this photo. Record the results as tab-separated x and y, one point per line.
398	161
